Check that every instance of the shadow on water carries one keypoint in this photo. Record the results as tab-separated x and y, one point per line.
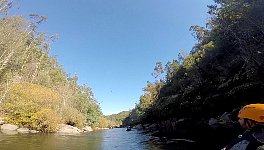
112	139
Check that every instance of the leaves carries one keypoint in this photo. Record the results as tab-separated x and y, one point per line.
32	83
223	71
30	105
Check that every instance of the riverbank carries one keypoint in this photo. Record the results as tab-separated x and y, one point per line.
213	133
11	129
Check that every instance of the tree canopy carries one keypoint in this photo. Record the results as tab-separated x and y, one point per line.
35	91
223	71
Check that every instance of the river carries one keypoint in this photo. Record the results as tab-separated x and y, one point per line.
112	139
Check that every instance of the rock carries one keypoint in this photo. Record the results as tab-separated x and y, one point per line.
146	126
67	129
260	148
185	140
9	132
181	120
9	127
96	128
33	131
154	125
23	130
104	128
87	129
139	126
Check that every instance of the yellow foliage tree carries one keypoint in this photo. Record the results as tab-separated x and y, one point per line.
103	122
72	116
33	106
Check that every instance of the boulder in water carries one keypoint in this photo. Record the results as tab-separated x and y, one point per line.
67	129
9	127
9	132
87	129
23	130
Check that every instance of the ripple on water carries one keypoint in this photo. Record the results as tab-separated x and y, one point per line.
112	139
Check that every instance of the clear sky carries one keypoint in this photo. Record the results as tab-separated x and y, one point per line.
113	45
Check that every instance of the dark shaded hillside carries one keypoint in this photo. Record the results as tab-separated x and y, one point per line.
223	72
225	69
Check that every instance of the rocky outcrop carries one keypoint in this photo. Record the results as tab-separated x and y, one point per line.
200	130
33	131
87	129
96	128
67	129
9	132
139	126
23	130
9	127
62	129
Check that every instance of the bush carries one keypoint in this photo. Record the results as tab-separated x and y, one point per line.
46	120
32	106
73	117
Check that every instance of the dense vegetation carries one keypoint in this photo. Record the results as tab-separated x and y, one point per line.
223	71
113	121
35	92
116	120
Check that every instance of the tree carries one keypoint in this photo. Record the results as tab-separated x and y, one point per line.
5	5
25	61
158	71
224	67
32	106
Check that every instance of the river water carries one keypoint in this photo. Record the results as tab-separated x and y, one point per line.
112	139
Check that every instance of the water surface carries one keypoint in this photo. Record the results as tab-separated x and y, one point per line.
112	139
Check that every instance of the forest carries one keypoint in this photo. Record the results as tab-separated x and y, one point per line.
223	71
35	91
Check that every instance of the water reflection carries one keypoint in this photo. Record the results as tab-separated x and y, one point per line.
113	139
125	140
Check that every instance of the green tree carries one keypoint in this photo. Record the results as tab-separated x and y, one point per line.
225	66
25	60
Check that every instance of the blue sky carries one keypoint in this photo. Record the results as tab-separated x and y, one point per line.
113	45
